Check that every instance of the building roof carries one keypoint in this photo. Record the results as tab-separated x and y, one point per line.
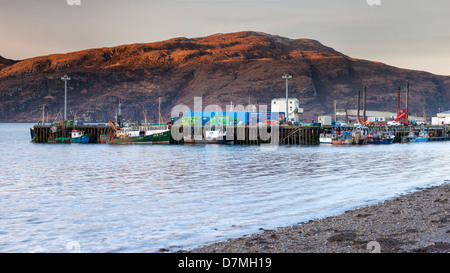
284	99
443	114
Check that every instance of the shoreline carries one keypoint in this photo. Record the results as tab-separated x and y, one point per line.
410	223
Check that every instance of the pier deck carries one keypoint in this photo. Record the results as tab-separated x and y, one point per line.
245	135
43	132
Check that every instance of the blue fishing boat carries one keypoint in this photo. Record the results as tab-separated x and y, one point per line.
380	138
79	137
422	137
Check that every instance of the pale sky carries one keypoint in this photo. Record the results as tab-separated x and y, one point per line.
413	34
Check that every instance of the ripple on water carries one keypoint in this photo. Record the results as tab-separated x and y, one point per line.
147	198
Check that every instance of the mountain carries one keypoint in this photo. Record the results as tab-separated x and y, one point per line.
237	67
5	62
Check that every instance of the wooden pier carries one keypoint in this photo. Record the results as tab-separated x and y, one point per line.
42	133
254	135
245	135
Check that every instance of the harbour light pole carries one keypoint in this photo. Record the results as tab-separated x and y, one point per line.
287	77
65	79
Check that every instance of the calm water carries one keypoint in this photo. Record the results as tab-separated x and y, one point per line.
104	198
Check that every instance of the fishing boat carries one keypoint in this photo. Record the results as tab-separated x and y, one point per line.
215	136
326	138
342	140
359	136
407	138
380	138
79	137
355	138
422	137
142	134
161	135
212	136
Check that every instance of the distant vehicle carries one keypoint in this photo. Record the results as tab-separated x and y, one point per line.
394	123
340	123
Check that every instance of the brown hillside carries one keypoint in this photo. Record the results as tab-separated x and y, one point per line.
238	67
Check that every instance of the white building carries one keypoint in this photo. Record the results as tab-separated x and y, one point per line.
279	105
442	118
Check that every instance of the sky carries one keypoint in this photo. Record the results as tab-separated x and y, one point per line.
413	34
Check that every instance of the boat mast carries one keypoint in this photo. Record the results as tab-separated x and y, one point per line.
43	114
159	111
145	118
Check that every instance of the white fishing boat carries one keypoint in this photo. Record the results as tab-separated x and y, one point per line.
326	138
214	136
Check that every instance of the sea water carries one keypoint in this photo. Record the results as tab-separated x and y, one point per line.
158	198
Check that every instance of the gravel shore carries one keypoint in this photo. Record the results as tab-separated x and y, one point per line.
412	223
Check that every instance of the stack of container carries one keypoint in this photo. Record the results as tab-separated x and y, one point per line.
219	117
234	117
191	121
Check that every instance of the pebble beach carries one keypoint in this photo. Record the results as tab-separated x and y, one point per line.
410	223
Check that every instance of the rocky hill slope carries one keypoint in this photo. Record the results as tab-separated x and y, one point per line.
241	68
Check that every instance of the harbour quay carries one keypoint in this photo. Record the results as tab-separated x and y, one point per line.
62	131
304	134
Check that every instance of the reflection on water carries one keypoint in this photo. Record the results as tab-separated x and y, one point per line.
147	198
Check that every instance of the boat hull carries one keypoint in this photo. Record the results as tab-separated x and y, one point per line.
325	140
83	139
418	139
341	142
158	138
211	141
381	141
348	141
59	140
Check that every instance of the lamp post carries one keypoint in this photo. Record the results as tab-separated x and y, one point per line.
287	77
65	79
